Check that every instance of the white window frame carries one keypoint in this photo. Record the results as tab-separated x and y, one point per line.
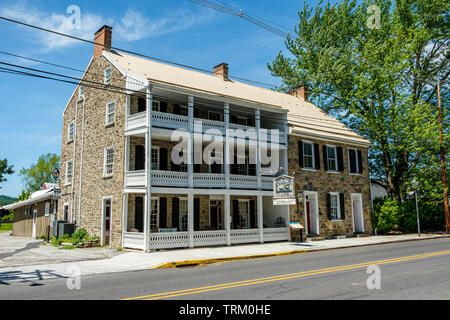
304	155
157	104
81	88
181	215
158	165
157	212
248	213
70	136
67	182
335	158
47	208
106	79
105	153
338	207
356	161
107	113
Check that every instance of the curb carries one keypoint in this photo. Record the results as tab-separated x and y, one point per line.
193	263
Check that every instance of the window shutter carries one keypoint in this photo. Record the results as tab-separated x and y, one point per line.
163	212
142	104
196	113
176	109
196	214
234	165
139	214
325	157
359	161
352	156
139	161
252	214
213	219
163	106
175	212
250	122
340	159
233	119
300	153
162	158
235	213
316	156
342	203
329	206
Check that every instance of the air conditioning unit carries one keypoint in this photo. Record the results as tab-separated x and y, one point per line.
65	228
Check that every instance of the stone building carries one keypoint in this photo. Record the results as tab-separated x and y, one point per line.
122	179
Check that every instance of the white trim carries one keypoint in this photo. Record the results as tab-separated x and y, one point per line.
335	158
338	205
158	162
105	153
107	81
316	214
158	203
47	208
313	155
359	196
326	138
81	96
66	183
107	113
69	138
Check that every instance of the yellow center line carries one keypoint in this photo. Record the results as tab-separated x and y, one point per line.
284	277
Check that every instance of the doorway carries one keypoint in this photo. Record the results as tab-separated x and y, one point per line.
106	221
357	212
216	217
33	233
311	212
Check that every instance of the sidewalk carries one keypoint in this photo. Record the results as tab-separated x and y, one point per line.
133	261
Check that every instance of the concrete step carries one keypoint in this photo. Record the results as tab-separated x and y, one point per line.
318	238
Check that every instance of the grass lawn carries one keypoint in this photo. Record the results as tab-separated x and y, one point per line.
5	227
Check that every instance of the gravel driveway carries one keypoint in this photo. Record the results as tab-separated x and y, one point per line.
19	251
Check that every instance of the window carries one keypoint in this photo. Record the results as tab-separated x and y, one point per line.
27	210
155	158
335	212
244	213
183	214
214	116
308	155
81	92
241	120
69	171
154	213
183	111
331	158
66	212
47	209
108	167
156	106
107	77
70	132
110	113
353	160
242	168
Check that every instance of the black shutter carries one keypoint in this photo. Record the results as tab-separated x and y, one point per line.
175	213
142	104
251	169
316	156
163	212
359	161
340	159
197	168
325	158
329	206
235	213
234	165
176	109
213	218
139	213
196	113
196	214
352	156
163	106
162	159
342	203
300	153
252	214
139	161
250	122
233	119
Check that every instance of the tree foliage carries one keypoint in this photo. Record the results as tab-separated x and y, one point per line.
381	82
5	170
39	173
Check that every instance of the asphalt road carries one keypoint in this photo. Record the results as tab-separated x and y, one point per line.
409	270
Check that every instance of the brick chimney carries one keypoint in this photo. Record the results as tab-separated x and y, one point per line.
301	93
221	71
103	38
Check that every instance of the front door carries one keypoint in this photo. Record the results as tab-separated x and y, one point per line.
107	222
216	214
33	234
357	214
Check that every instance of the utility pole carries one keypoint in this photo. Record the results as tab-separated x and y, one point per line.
443	169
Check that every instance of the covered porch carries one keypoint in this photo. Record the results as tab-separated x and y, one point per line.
182	218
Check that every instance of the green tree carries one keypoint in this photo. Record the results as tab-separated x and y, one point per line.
39	173
381	82
5	170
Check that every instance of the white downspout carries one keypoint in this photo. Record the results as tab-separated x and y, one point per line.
81	164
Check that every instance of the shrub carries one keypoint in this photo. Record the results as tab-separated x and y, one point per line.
55	242
8	218
80	235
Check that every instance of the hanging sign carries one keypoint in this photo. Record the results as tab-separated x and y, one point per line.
283	191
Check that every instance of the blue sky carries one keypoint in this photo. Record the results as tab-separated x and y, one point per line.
181	31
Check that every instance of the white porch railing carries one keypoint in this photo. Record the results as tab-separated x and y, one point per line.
243	182
210	238
136	120
162	240
275	234
134	240
135	178
212	124
169	120
267	183
209	180
170	178
244	235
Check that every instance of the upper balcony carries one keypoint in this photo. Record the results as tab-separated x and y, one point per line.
173	115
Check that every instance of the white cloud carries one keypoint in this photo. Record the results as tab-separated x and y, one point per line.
132	26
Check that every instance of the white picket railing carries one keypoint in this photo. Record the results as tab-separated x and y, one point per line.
137	120
163	240
267	182
135	178
209	180
244	235
275	234
169	120
170	178
134	240
243	182
210	238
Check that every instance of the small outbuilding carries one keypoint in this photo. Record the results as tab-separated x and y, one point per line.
32	216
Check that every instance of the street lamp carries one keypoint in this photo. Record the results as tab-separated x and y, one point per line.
55	174
415	185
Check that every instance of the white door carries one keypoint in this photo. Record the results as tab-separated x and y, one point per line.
358	220
33	234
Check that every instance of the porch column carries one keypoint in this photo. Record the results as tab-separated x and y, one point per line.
191	130
124	216
259	206
148	167
127	154
227	145
258	148
191	219
285	150
227	218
